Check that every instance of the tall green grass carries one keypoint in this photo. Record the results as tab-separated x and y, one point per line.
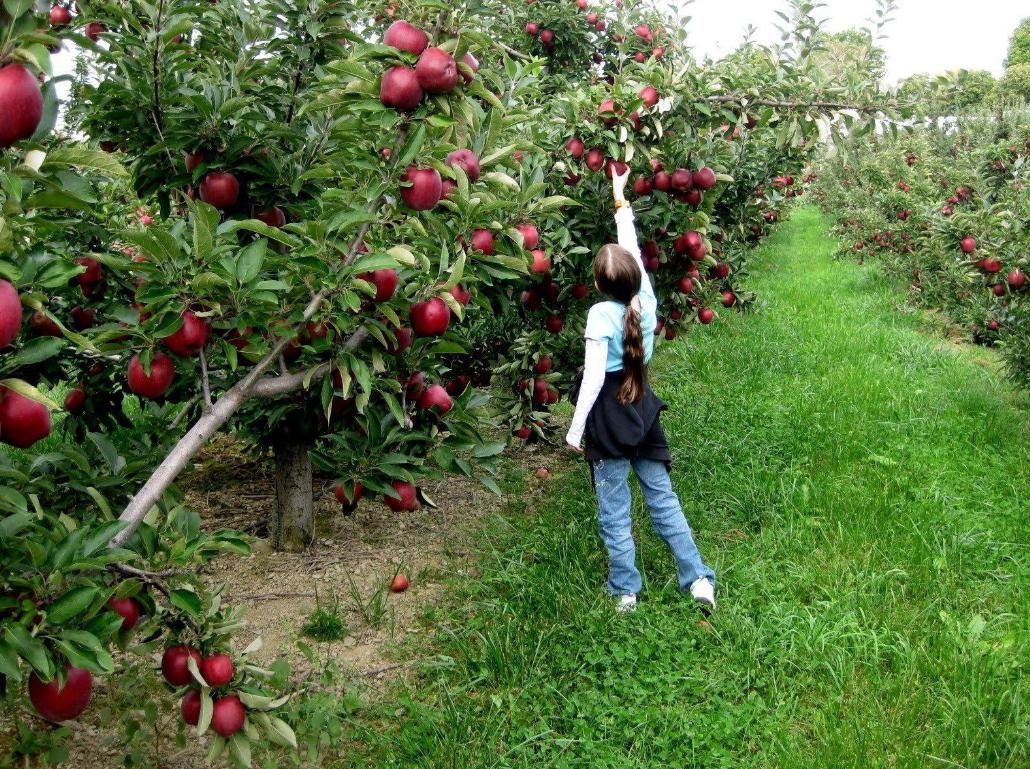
860	488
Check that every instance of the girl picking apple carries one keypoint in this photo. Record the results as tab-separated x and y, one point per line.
619	415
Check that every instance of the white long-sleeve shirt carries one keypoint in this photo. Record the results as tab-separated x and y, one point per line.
599	357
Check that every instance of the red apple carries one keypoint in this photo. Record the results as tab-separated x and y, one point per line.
10	313
580	291
42	325
722	269
190	707
193	161
606	109
524	432
75	400
94	29
385	282
436	397
595	159
575	147
541	261
128	609
662	181
530	299
1017	279
693	197
400	89
642	186
59	16
174	664
156	383
704	178
220	189
217	669
61	703
554	324
546	37
706	315
190	338
344	498
682	180
93	274
82	317
543	364
408	497
405	36
273	217
471	62
968	245
532	28
467	161
436	70
530	235
685	285
643	32
728	298
426	188
430	318
228	715
399	584
23	421
650	95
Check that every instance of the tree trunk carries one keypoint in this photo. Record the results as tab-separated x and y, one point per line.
293	523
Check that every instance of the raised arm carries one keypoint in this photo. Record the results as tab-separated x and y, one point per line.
627	231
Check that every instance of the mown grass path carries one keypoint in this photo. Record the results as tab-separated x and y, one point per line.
862	490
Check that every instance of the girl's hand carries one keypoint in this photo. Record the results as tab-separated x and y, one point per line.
573	447
619	183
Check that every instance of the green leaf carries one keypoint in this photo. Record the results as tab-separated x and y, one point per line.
82	156
72	604
251	260
412	146
36	351
9	662
239	747
187	601
31	650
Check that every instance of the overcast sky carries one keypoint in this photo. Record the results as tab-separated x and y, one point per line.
930	36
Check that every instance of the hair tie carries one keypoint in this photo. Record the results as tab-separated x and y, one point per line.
634	302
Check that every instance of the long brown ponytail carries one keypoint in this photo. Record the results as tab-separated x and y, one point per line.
618	275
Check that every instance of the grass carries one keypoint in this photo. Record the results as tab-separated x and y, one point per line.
861	489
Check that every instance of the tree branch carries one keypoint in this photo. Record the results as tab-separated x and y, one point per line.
273	387
221	410
205	382
748	101
513	53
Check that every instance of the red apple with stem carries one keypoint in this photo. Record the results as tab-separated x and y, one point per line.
175	667
190	338
437	71
220	189
430	318
400	89
227	715
425	190
128	609
155	383
217	669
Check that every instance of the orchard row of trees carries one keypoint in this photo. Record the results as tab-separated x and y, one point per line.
947	211
352	239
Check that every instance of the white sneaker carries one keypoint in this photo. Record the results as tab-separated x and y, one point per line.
704	594
626	603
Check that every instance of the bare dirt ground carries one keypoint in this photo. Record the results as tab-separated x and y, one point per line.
349	567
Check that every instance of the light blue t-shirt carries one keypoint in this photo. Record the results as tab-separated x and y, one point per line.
605	319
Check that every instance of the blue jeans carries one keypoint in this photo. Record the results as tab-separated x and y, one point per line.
611	483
